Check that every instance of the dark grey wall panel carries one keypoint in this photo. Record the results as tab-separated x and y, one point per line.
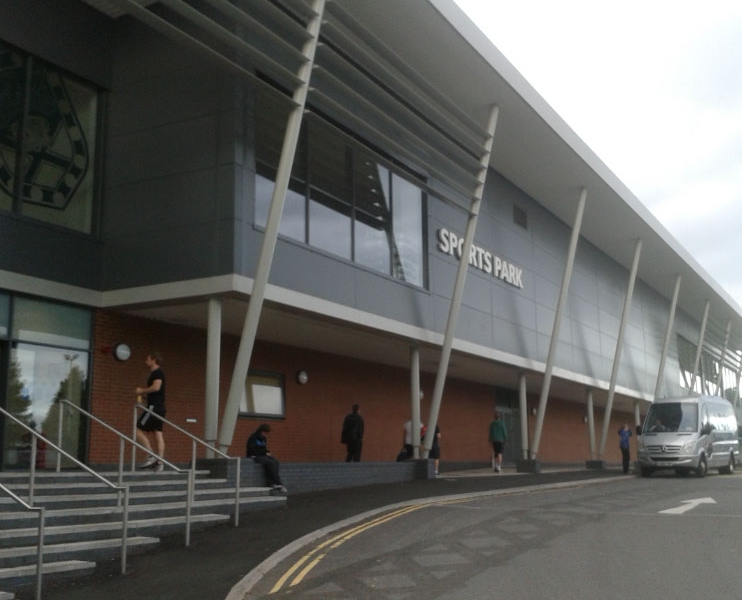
66	33
49	253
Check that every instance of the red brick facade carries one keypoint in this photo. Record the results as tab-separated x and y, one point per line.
314	411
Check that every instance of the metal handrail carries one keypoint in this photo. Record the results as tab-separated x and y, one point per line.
195	440
32	477
40	543
124	438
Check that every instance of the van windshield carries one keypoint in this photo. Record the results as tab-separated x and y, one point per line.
672	416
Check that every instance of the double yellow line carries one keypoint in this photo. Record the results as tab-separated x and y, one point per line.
311	559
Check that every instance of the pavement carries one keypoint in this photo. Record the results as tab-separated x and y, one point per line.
223	562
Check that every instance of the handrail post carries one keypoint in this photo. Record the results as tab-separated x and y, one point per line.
133	447
32	471
40	552
237	492
121	464
189	500
193	454
59	435
124	530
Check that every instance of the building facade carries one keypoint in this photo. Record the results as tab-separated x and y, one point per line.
277	196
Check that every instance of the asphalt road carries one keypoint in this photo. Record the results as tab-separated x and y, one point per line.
661	537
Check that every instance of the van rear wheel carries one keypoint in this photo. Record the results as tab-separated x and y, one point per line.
702	467
729	469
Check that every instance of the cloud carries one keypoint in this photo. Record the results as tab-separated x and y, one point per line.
653	88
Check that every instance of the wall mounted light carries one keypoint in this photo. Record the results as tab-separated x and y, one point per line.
121	352
533	411
302	377
584	418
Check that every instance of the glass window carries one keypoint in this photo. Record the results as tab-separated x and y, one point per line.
263	395
4	313
372	215
12	76
293	219
54	324
341	199
39	377
58	142
329	224
408	231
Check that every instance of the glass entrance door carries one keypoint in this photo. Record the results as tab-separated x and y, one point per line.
512	451
38	377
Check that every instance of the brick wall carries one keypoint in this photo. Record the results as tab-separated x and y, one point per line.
310	431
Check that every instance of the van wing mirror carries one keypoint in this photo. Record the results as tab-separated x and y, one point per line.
638	430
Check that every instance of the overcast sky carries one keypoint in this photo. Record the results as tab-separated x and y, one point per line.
654	88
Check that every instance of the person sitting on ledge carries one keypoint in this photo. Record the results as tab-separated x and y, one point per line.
257	449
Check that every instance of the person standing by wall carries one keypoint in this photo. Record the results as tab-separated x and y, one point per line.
352	435
435	449
623	442
150	424
498	437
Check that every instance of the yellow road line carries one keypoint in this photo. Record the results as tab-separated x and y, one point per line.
335	542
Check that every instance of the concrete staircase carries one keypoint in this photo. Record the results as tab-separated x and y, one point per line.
83	522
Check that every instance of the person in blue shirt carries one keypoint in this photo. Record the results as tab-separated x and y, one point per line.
623	436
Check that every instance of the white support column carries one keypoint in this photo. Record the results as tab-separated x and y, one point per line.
458	291
213	361
619	347
699	348
523	403
720	379
637	413
668	333
558	322
285	164
590	422
415	398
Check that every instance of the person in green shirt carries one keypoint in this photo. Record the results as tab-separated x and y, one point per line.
498	437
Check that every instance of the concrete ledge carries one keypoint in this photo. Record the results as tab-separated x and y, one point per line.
528	466
316	476
595	464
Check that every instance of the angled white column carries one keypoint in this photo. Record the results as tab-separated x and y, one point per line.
213	360
257	295
415	398
619	346
522	401
590	422
699	348
558	322
720	379
637	413
668	333
458	290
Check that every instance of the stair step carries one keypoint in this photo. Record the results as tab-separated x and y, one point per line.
135	498
98	488
102	530
53	553
7	596
12	577
71	515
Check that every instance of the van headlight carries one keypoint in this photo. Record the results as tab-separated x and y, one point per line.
640	444
688	448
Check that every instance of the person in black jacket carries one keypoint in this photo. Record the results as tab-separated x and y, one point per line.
257	449
352	435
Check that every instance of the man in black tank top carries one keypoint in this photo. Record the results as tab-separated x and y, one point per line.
149	424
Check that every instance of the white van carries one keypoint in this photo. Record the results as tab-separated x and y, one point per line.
690	434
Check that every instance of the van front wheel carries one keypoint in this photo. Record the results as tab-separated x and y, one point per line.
729	469
702	467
